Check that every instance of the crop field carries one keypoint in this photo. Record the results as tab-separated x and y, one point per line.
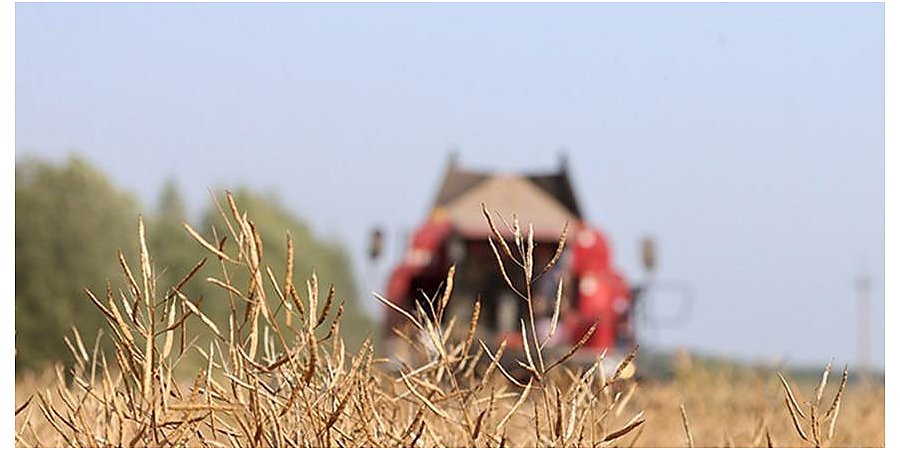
276	373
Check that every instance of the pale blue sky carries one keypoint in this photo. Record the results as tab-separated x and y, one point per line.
749	138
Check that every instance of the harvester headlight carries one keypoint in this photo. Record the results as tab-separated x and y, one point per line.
588	286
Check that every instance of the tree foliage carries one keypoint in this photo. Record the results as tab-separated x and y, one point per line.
70	223
174	252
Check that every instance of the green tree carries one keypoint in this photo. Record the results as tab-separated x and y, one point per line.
70	222
172	250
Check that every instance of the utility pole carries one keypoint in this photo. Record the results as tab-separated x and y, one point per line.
863	299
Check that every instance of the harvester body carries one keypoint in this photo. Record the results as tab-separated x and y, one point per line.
456	233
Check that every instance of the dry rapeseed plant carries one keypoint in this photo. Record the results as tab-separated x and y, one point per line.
276	372
814	427
687	428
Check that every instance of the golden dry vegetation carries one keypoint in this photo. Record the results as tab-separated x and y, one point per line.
276	374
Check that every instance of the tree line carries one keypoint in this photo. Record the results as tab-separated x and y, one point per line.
71	222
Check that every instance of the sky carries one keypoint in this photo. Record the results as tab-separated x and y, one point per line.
748	139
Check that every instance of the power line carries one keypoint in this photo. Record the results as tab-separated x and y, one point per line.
863	299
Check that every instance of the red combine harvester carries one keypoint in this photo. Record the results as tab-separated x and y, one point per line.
456	232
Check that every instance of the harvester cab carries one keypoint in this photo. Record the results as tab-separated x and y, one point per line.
456	233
